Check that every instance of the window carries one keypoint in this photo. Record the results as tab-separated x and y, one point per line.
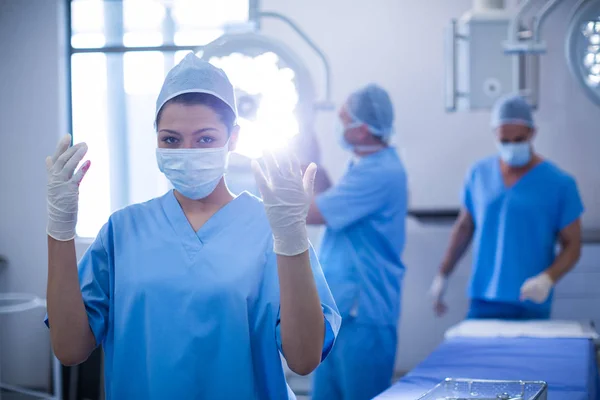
120	54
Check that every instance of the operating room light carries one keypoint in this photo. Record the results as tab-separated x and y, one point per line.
591	32
583	47
272	122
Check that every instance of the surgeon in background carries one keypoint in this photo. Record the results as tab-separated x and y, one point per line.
364	215
195	294
516	207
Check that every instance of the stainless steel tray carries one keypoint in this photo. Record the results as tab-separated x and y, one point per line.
471	389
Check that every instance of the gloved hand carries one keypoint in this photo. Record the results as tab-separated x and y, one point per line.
286	196
537	288
437	291
63	188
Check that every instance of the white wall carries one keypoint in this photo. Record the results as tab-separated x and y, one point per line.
31	117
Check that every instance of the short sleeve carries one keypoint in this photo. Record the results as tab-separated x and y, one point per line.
333	320
467	193
571	206
360	193
94	282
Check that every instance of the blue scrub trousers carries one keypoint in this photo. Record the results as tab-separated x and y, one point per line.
483	309
360	365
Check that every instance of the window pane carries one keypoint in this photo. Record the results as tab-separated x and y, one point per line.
144	72
87	16
144	75
88	74
209	14
196	37
143	15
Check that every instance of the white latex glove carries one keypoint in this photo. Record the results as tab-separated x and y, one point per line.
537	288
436	292
63	188
286	196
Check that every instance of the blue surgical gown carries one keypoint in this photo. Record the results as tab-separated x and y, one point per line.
361	254
190	315
517	227
361	251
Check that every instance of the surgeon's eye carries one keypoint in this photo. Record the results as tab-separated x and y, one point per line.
206	140
170	140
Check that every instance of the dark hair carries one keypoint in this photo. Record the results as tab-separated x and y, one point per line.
226	115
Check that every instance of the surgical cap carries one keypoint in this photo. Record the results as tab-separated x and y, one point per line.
193	75
373	107
513	110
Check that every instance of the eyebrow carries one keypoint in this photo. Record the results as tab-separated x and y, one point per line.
199	131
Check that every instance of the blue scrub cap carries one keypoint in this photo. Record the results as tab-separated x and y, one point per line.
193	75
373	107
512	109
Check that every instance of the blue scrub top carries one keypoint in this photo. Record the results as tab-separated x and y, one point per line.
190	315
517	227
361	251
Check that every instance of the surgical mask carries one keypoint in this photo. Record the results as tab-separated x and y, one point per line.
341	134
515	154
194	173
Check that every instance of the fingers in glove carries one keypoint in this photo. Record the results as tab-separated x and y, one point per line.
61	147
271	164
308	180
282	156
79	149
78	177
259	175
74	161
296	167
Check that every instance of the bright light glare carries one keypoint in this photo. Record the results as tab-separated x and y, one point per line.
143	15
90	40
140	39
275	122
196	13
144	72
87	16
591	61
90	126
196	37
593	80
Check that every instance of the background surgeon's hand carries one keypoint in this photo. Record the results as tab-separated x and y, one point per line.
287	195
537	289
63	188
436	291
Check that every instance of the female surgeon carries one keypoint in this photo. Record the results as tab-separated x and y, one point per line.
516	207
192	295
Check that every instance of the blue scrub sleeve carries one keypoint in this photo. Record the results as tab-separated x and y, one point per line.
333	320
467	199
361	192
571	204
94	279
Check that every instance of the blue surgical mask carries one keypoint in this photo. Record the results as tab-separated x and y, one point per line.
515	154
340	131
341	134
195	173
